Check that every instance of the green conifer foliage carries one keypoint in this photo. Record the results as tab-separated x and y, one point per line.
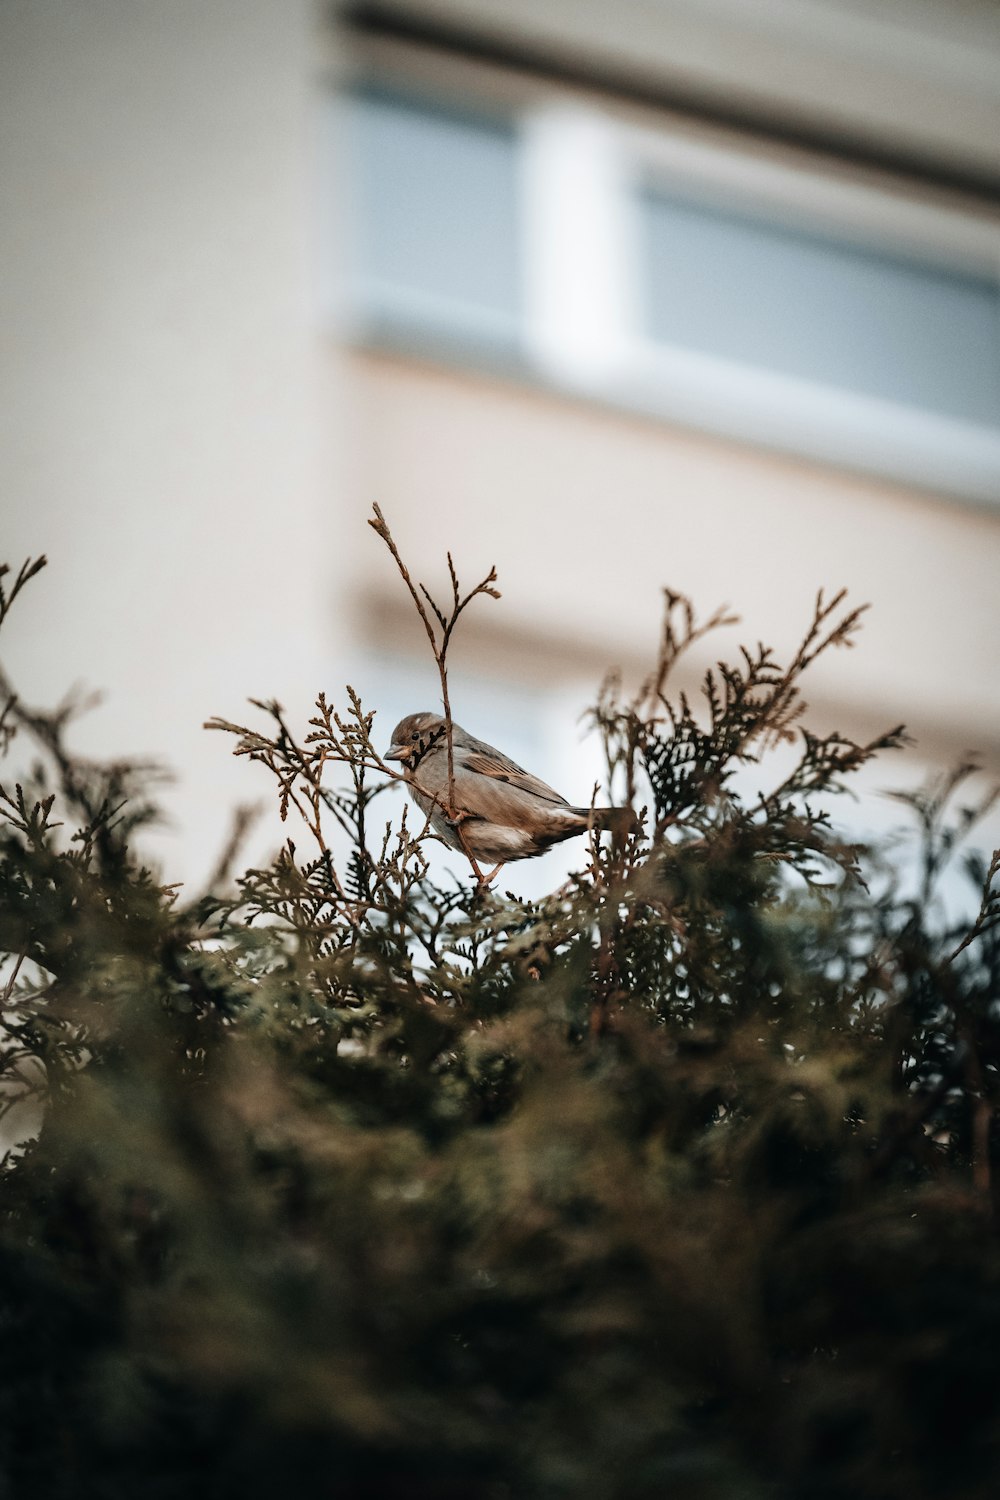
681	1181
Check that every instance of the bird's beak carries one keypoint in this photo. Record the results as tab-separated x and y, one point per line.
398	752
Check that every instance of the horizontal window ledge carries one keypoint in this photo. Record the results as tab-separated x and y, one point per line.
866	435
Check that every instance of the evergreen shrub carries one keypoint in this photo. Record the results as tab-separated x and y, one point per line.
349	1182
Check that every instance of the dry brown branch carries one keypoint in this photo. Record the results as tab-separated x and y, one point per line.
446	624
27	571
680	631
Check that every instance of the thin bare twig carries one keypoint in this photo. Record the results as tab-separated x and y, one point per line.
446	624
27	570
9	986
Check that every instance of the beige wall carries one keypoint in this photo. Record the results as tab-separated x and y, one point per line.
163	432
588	514
181	438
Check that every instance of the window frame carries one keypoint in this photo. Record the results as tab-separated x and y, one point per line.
582	333
849	429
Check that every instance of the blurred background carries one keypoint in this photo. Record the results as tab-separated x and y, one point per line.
698	293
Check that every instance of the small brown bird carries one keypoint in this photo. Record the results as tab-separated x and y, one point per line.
501	812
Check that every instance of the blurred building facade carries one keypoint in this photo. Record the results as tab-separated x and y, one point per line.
704	295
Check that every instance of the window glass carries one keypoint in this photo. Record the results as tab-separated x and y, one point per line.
766	294
437	230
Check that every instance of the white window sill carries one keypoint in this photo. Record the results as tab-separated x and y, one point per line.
859	434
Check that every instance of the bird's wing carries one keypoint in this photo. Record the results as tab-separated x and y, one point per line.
488	762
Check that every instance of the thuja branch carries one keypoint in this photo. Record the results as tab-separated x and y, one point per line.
439	636
345	739
989	909
680	631
27	571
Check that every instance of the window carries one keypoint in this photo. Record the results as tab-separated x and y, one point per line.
773	302
436	224
821	309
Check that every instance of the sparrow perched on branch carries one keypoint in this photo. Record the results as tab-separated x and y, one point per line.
500	812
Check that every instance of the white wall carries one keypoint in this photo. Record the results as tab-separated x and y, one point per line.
588	514
161	434
172	424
